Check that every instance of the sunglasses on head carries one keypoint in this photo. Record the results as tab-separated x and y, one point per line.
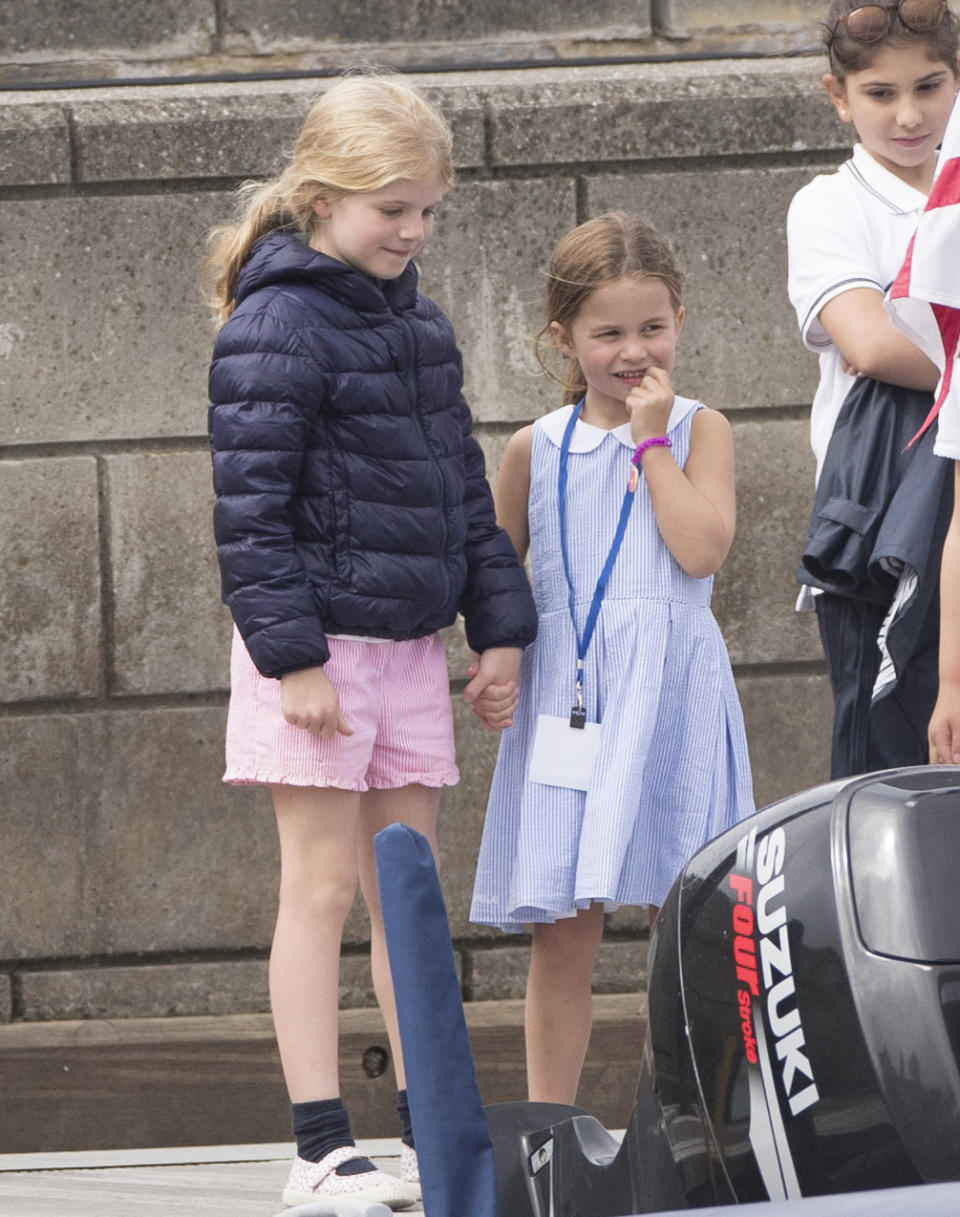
872	22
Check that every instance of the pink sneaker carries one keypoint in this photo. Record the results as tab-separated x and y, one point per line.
409	1166
320	1181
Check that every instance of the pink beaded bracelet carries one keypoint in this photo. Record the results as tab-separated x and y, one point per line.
655	441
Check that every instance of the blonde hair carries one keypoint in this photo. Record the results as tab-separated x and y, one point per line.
367	130
612	246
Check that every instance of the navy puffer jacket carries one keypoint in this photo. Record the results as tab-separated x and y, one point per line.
351	494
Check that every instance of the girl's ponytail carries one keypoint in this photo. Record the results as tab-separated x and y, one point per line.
263	209
572	382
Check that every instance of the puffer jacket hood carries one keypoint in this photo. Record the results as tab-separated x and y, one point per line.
351	494
286	259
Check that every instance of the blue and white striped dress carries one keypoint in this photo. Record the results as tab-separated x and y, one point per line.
673	769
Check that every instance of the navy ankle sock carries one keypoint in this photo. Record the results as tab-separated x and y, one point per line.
403	1111
321	1126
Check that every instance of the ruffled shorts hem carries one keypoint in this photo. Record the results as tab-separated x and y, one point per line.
263	778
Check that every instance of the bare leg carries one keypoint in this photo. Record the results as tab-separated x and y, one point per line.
318	880
559	1010
416	806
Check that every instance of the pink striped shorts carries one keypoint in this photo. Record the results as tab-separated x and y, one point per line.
395	696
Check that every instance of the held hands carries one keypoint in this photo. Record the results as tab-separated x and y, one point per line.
493	691
309	700
650	403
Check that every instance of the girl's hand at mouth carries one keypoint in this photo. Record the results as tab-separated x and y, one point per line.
650	403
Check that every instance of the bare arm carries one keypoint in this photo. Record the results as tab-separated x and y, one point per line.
944	731
513	490
871	346
695	506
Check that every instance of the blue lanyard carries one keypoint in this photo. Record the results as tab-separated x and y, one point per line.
578	714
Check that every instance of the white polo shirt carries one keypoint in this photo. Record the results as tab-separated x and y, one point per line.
844	230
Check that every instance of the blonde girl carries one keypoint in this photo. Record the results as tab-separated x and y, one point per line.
353	522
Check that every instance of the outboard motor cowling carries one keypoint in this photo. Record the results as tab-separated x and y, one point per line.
804	1014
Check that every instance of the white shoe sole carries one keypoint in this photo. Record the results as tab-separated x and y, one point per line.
395	1195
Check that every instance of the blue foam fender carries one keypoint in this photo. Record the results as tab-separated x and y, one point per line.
454	1147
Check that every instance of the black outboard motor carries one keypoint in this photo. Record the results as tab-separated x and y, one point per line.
804	1018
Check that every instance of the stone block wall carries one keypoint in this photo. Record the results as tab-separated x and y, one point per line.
94	39
135	883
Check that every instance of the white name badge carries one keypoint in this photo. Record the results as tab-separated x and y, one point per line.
563	755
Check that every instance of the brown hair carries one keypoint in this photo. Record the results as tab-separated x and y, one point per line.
609	247
367	130
846	54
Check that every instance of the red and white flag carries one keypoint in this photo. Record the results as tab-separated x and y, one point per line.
924	300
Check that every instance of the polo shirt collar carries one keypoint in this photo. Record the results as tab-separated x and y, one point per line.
886	186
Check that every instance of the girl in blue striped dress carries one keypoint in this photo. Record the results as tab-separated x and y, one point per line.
627	751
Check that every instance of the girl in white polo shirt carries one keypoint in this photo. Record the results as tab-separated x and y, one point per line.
893	74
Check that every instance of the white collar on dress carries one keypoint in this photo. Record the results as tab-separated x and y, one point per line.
586	437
